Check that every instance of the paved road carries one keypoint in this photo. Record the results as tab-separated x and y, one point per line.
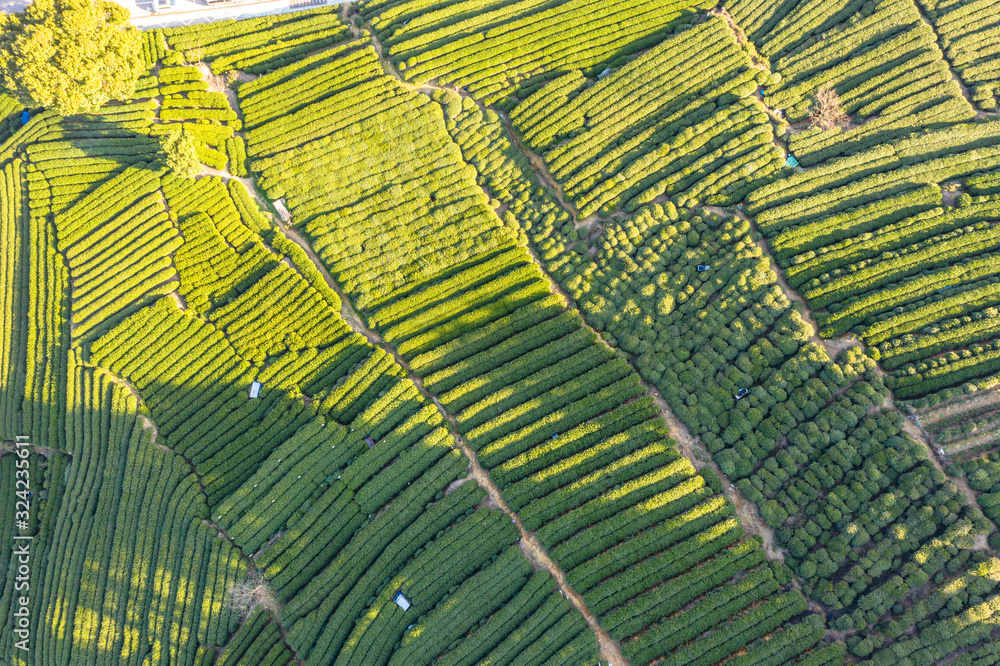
9	6
186	12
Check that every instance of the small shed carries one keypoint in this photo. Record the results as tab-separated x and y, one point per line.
370	442
604	73
254	389
791	161
401	601
279	206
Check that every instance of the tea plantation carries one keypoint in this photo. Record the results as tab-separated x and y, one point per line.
511	333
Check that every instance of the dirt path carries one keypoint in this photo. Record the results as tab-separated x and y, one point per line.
951	68
913	428
347	311
690	446
610	651
692	449
225	175
537	163
179	300
833	346
529	543
990	397
792	295
218	84
147	423
9	447
545	178
974	442
267	598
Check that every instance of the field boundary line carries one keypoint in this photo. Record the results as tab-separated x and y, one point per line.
689	446
272	604
531	547
834	346
962	85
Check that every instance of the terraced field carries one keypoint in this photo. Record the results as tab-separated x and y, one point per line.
507	333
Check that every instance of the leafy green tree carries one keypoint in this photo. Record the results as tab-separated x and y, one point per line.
181	153
69	55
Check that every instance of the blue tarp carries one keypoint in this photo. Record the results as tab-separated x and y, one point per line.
791	161
25	117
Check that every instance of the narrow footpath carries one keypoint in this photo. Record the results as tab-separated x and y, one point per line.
267	597
690	446
834	346
951	68
530	545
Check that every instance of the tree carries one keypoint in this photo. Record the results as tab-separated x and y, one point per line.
244	596
182	153
69	55
826	113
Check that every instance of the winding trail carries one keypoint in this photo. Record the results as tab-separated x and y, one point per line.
347	311
530	545
547	179
537	163
690	446
951	68
254	575
911	426
270	601
834	346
